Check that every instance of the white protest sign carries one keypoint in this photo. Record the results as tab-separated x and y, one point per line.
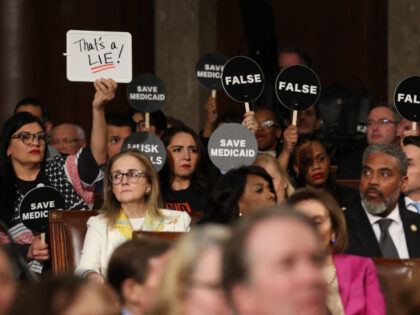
94	54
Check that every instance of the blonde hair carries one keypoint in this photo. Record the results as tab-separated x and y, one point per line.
111	206
183	259
265	158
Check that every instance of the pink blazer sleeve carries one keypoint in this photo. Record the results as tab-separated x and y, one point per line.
359	285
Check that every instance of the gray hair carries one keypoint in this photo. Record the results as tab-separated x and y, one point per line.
390	149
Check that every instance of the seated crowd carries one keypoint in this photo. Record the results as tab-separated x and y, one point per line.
281	236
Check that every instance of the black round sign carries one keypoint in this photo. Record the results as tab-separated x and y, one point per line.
149	144
242	79
34	208
146	93
298	87
208	70
232	145
407	98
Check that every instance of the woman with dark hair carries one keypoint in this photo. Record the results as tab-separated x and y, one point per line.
311	163
182	178
23	167
353	286
238	192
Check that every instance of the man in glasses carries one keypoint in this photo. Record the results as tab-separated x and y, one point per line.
68	138
381	125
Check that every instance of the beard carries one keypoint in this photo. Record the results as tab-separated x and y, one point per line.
381	207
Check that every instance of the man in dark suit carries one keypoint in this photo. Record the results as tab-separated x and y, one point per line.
379	225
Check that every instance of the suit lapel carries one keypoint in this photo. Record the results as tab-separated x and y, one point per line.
343	278
363	231
411	229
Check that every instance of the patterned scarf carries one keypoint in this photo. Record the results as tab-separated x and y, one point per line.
150	224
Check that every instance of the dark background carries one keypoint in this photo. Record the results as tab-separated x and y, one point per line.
346	40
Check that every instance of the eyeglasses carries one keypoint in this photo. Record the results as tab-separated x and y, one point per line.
55	141
133	176
27	137
268	124
382	122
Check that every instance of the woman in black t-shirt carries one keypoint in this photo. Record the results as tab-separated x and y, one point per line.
182	179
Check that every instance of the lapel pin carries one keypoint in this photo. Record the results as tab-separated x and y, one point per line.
413	227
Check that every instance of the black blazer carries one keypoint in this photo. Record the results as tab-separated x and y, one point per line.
362	239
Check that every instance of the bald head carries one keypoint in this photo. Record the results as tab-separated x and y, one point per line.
68	138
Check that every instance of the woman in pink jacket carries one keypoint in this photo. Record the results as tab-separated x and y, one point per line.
353	286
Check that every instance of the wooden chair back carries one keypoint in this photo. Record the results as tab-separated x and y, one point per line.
67	230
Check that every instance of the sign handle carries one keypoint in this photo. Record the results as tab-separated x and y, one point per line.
43	238
246	107
147	118
414	126
294	119
213	93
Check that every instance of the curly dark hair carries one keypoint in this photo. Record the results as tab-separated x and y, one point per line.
223	204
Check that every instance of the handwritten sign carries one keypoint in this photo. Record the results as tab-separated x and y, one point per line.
149	144
407	98
34	208
232	145
91	55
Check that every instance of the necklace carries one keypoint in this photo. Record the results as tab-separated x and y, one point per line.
332	277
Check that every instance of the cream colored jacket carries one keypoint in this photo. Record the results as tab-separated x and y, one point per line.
101	241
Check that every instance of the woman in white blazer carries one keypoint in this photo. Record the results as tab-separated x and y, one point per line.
131	202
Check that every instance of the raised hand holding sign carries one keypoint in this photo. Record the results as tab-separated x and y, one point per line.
407	100
297	88
243	80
